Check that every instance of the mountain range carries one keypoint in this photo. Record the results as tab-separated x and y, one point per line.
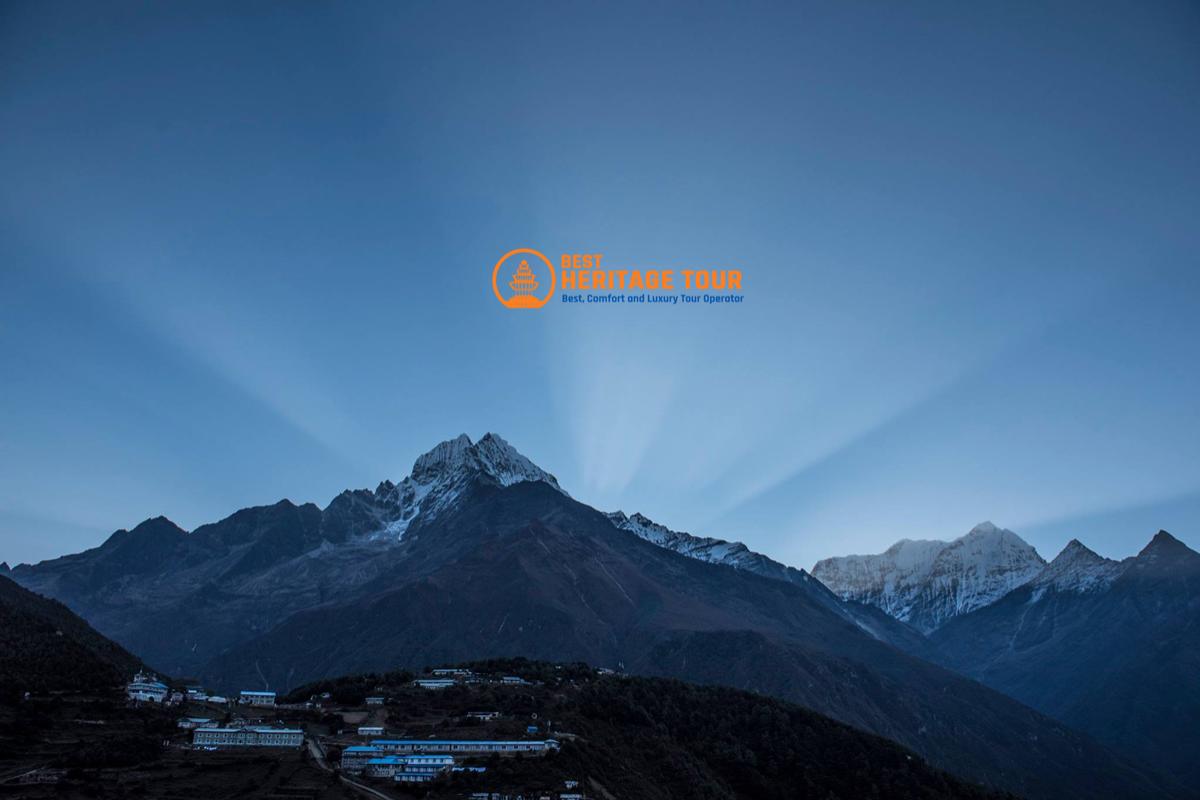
481	553
1111	648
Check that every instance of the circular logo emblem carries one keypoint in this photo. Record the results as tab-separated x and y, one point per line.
520	277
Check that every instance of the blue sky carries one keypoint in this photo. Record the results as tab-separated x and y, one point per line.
245	253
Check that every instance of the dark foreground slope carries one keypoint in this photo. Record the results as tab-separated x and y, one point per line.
524	570
45	647
704	742
81	746
1109	648
653	739
76	736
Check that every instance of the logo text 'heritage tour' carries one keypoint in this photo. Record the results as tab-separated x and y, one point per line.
525	278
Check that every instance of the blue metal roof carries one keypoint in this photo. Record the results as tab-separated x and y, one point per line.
458	741
252	730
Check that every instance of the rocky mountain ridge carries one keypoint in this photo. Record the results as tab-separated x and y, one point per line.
926	583
1109	647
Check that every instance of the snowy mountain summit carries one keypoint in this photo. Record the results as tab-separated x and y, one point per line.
1077	569
491	456
925	583
437	480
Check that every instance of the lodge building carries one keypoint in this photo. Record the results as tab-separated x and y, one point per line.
408	769
248	737
146	688
257	698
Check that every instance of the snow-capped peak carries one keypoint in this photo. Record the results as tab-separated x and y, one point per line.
926	582
501	460
444	458
438	478
1078	569
491	456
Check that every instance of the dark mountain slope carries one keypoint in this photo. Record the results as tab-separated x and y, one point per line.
651	739
1111	649
126	555
178	599
525	570
45	647
688	741
735	554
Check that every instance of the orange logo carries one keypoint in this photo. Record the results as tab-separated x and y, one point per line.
522	283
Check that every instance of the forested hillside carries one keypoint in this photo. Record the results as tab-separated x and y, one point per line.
45	647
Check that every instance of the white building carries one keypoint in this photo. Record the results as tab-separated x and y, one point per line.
257	698
146	689
411	768
354	759
483	715
370	730
248	737
434	683
375	700
379	766
191	723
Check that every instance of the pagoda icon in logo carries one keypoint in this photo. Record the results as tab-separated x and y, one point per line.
523	287
524	283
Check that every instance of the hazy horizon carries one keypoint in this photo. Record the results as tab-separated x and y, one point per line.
245	254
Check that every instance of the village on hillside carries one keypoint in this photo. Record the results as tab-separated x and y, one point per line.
397	738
